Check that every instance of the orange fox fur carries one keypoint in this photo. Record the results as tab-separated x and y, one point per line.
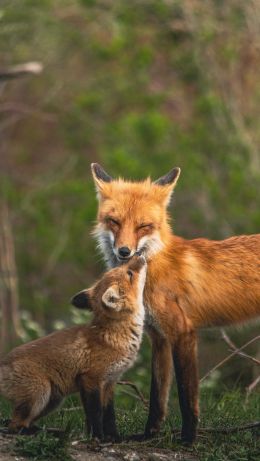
190	283
88	358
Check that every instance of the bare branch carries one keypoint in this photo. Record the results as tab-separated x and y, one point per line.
21	70
9	299
228	430
229	357
26	110
251	387
140	396
234	348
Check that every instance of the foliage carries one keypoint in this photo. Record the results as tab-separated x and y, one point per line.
139	86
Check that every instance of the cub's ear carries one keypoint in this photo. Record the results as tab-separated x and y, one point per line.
101	179
111	298
83	300
168	183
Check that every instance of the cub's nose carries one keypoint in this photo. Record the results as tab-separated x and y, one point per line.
124	252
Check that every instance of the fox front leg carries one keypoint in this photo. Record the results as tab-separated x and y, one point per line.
186	371
109	417
160	382
92	403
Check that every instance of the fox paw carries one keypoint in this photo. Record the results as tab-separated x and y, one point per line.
32	430
141	437
113	438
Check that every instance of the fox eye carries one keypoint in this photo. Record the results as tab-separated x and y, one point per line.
131	275
146	226
112	221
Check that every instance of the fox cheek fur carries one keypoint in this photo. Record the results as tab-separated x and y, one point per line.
190	284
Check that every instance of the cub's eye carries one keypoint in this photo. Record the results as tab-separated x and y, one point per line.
112	221
131	275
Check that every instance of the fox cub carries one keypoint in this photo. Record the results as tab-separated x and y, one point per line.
88	359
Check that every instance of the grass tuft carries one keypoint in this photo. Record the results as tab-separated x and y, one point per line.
44	446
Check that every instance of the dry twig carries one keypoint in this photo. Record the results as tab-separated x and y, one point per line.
251	387
228	430
139	394
234	348
21	70
11	327
218	365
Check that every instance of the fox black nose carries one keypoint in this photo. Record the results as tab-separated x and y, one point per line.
124	252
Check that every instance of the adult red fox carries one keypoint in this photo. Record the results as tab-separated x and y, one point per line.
88	359
190	283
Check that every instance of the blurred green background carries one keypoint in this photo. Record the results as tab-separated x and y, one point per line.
140	87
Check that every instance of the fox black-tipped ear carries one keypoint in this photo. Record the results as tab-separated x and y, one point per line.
82	300
99	174
101	179
168	183
170	178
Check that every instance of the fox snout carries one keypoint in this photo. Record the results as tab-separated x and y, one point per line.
146	245
123	253
126	253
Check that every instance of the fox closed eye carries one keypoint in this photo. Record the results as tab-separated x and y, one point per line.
110	220
145	226
144	229
131	275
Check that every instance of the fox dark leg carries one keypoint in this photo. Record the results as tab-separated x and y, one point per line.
27	411
92	403
55	401
109	417
21	417
186	370
160	383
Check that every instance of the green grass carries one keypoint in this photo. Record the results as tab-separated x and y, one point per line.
228	409
44	446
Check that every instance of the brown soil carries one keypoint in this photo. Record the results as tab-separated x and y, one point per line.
125	453
81	452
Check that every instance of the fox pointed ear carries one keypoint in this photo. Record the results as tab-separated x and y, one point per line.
101	178
170	178
83	299
168	183
111	298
